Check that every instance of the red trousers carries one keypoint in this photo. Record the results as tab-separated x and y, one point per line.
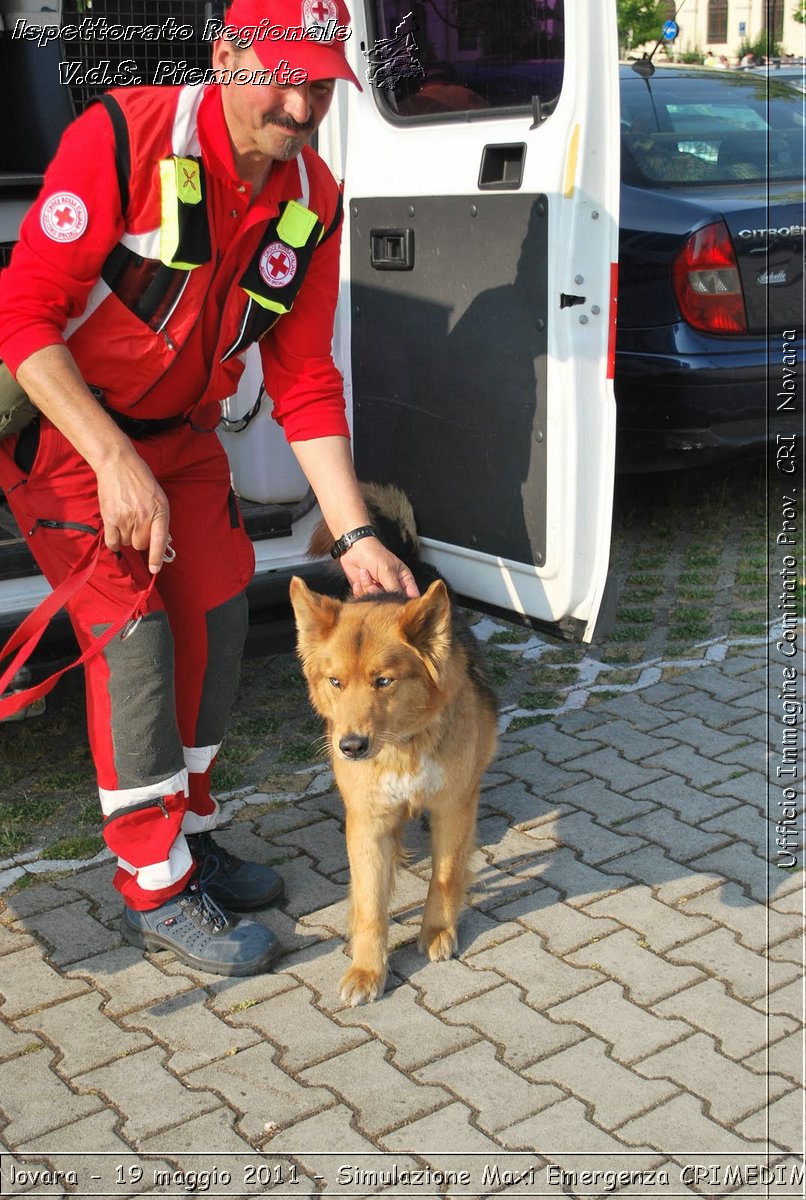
158	699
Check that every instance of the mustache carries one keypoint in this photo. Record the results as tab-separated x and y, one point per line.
288	123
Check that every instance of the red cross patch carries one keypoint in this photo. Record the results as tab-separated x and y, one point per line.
63	217
278	265
318	12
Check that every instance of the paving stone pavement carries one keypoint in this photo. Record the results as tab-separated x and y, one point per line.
628	994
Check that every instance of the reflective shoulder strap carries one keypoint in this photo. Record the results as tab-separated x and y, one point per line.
275	274
184	227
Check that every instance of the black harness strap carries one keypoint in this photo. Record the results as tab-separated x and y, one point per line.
123	153
334	224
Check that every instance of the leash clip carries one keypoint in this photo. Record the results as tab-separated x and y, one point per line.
129	628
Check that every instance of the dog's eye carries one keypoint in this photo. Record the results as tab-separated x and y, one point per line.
383	681
336	683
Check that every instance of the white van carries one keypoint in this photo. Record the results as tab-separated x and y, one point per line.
476	321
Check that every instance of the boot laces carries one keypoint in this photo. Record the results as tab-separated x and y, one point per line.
202	909
212	857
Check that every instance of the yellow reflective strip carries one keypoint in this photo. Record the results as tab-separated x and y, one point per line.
188	181
571	164
272	305
295	225
169	212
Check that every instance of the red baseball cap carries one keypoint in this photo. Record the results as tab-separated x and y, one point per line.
310	35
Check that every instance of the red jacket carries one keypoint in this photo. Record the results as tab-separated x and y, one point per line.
53	291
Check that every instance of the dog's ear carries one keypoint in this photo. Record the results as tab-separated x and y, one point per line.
316	615
425	624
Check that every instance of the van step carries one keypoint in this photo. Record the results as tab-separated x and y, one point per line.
16	559
266	520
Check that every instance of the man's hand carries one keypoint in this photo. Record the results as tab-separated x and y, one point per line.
368	565
371	568
134	509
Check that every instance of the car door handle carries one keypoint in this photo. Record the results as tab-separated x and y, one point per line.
391	249
502	167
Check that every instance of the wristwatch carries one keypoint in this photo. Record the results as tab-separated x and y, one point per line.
346	540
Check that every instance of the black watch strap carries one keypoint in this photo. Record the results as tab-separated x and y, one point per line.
346	540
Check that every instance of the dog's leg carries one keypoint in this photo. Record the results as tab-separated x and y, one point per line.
372	850
453	831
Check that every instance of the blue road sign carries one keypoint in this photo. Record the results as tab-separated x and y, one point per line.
670	31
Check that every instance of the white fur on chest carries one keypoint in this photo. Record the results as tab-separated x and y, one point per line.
408	787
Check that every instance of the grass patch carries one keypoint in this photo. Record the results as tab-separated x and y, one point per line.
59	780
298	752
33	808
698	578
643	594
525	722
14	836
539	700
649	560
628	633
236	752
224	778
86	846
636	614
691	623
553	677
563	655
508	637
623	654
747	624
699	555
695	593
623	676
257	726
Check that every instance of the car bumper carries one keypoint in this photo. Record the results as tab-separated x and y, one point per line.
678	410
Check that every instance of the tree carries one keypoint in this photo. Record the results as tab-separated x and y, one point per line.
640	21
800	12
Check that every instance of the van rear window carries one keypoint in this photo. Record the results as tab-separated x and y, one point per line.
441	59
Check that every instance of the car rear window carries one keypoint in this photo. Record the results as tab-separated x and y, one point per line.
701	129
432	60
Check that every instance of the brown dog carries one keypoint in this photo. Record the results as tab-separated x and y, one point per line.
411	723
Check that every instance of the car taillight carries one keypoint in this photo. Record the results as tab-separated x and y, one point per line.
707	283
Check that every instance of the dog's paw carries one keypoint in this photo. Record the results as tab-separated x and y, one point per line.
359	986
438	944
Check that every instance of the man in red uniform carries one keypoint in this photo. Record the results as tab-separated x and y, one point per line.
175	227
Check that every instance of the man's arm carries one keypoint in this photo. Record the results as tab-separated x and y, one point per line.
368	565
133	506
49	281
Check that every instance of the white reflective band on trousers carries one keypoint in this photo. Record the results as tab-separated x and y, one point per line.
161	875
199	758
113	801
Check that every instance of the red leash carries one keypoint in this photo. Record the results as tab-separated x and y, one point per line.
26	637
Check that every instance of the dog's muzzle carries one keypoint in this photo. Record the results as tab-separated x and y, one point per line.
354	745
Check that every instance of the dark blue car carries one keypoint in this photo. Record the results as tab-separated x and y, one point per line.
710	344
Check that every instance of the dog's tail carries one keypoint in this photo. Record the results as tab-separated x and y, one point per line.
391	516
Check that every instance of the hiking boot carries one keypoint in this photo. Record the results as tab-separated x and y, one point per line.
202	935
237	885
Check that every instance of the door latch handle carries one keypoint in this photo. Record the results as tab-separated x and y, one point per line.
391	249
